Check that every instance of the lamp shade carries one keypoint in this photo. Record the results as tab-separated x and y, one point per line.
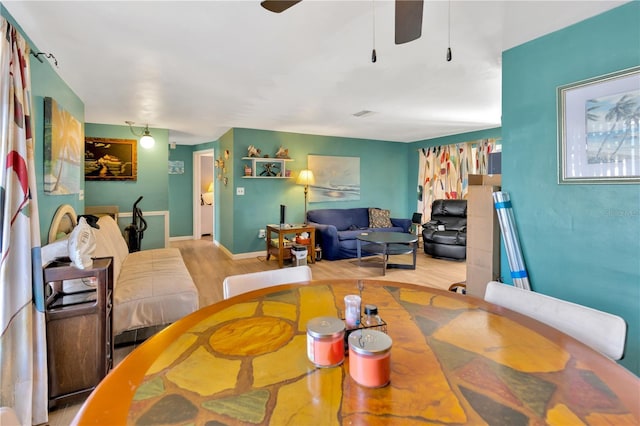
306	178
210	187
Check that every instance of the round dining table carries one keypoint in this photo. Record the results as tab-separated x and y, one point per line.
455	360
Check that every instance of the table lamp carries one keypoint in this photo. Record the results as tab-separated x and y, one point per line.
305	178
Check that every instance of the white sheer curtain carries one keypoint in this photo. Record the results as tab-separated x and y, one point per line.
23	376
444	170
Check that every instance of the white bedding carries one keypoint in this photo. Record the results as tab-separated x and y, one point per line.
151	287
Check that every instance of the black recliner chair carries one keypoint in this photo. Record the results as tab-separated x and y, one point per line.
445	235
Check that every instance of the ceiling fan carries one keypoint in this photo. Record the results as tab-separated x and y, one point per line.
408	16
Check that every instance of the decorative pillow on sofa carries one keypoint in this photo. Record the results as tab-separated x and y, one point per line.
379	218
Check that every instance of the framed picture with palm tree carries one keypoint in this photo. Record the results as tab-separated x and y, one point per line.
63	139
599	129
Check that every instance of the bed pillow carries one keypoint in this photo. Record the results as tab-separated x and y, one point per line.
379	218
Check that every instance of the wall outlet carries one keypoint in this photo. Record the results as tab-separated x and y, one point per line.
240	190
262	234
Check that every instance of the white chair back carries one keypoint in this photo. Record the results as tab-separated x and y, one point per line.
602	331
234	285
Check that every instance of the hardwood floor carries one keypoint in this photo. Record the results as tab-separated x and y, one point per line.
208	266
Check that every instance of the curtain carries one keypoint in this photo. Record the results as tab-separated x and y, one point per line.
23	377
444	171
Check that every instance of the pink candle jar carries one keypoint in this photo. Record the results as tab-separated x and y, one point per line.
370	357
325	341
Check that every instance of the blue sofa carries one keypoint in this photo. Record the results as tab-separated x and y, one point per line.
336	230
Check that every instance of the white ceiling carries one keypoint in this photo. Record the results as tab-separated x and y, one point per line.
199	68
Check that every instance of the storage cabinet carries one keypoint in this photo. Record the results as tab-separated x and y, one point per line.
79	323
261	167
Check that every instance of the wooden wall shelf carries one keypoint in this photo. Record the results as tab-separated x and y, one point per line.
257	167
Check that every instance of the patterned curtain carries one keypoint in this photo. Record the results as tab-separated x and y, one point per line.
444	171
23	377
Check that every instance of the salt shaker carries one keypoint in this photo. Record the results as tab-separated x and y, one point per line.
371	318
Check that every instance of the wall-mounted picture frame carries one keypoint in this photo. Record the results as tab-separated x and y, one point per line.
176	167
336	178
599	129
110	159
63	137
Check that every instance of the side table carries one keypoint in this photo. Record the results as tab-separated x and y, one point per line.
78	323
283	252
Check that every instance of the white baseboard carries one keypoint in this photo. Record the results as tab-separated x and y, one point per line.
184	238
250	255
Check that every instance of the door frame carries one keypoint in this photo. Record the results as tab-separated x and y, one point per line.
197	178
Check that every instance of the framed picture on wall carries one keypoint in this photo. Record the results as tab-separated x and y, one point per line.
176	167
110	159
63	136
336	178
599	129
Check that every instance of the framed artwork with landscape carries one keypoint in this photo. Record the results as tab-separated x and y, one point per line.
110	159
599	129
336	178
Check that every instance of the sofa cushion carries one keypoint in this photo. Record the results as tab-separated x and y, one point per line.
379	218
342	219
448	208
349	235
391	229
352	235
448	237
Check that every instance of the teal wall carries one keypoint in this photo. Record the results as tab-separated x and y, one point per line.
414	165
46	82
152	182
580	242
181	193
223	198
383	177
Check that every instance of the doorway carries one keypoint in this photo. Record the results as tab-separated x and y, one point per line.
203	195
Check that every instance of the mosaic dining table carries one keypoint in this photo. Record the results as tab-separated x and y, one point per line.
454	360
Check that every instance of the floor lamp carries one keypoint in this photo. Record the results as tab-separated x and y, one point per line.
305	178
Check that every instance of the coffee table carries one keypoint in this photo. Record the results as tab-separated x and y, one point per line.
387	244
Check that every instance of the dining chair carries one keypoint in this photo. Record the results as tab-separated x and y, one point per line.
234	285
600	330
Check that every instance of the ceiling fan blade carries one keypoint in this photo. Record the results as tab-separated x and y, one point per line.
408	20
278	6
